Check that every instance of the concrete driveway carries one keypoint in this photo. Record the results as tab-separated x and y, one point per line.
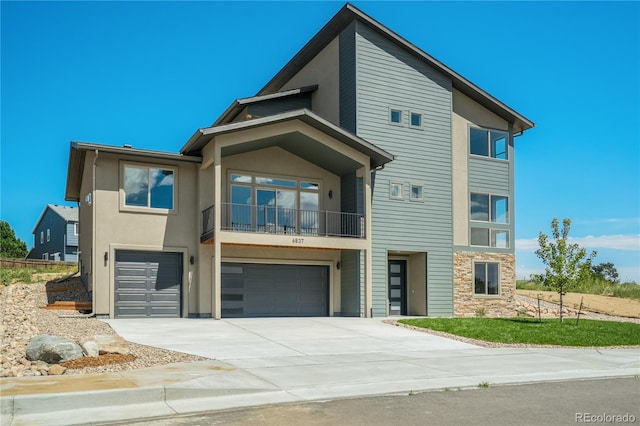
287	338
316	358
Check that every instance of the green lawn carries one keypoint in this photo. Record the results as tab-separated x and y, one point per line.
530	331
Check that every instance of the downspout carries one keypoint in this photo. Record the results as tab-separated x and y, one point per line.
93	244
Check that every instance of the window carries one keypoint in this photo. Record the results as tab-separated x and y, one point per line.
415	119
489	208
486	278
488	143
45	256
416	193
395	190
486	237
41	237
149	187
273	204
499	238
395	116
48	235
75	228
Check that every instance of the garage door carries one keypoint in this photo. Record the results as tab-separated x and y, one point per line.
147	284
257	290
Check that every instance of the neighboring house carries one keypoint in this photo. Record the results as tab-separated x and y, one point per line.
55	236
365	179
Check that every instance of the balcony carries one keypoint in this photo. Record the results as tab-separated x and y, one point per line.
276	220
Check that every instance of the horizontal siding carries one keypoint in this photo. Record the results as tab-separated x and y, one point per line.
72	238
389	77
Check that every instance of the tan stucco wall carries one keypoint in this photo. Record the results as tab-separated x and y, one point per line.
143	230
85	217
322	70
466	303
466	112
417	285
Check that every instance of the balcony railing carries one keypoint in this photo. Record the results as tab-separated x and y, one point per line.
277	220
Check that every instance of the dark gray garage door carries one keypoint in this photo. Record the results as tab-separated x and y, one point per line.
256	290
148	284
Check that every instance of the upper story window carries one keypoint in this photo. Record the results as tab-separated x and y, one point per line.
150	187
41	237
395	116
415	120
48	234
489	208
417	193
488	143
75	228
395	190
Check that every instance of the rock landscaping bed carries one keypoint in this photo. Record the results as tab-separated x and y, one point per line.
24	318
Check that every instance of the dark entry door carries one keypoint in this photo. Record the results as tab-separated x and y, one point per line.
397	287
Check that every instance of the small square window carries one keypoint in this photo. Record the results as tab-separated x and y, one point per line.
395	116
415	119
395	190
499	238
416	193
480	237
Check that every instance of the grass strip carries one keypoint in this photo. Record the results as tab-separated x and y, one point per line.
530	331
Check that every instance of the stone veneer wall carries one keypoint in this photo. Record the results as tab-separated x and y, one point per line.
466	303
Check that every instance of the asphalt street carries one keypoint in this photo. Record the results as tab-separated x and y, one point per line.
602	401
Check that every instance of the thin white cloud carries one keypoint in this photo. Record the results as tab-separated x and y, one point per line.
612	242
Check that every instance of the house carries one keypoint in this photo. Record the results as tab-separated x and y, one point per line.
366	178
55	236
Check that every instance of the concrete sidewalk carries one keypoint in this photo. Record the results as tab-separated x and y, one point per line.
270	361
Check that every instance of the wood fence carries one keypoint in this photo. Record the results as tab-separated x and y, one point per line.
33	263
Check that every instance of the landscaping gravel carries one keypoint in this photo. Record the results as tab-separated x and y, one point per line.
23	319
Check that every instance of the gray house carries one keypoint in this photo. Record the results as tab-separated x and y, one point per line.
365	179
55	236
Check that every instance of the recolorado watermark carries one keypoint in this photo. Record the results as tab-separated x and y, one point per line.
605	418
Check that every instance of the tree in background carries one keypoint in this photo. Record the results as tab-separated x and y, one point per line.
606	271
10	245
566	264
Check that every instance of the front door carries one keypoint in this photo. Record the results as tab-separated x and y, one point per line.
397	287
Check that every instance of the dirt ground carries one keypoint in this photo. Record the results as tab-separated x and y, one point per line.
591	302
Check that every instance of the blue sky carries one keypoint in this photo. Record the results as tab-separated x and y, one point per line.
148	74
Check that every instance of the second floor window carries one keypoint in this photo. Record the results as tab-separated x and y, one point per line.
488	143
489	208
148	187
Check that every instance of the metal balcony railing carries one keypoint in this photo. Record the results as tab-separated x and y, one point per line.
277	220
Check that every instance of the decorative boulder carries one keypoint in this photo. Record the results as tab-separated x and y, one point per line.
90	347
111	344
52	349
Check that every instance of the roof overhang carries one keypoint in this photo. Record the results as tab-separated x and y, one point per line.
377	156
350	13
239	104
78	152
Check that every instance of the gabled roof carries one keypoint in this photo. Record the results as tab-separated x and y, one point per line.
78	152
67	213
377	155
348	14
238	105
